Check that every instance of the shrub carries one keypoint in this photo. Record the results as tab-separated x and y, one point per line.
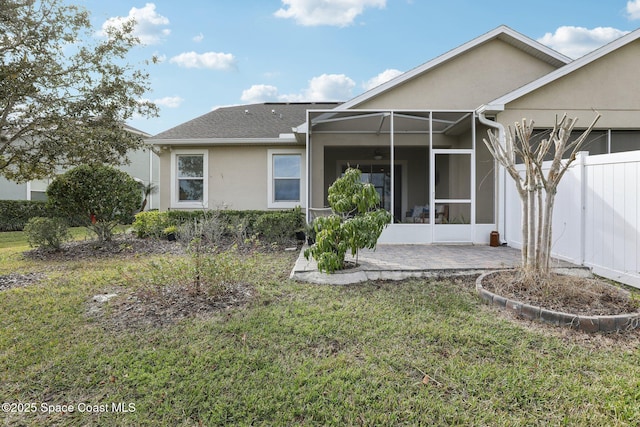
356	223
240	225
49	233
280	226
207	230
214	274
99	197
14	214
151	224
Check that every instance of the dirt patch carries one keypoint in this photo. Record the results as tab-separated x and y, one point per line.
568	294
121	246
168	305
14	280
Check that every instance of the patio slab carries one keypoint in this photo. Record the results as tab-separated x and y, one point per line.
398	262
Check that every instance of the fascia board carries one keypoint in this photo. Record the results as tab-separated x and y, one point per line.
289	139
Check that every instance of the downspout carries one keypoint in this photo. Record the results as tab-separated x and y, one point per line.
307	143
500	222
150	206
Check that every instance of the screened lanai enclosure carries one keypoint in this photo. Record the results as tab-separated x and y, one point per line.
431	169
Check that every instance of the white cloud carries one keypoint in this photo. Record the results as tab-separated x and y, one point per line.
327	87
198	38
150	26
383	77
326	12
578	41
260	93
633	9
169	101
211	60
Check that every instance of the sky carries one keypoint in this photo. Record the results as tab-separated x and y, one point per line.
216	53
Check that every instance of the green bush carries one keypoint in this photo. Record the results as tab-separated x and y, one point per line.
356	223
14	214
49	233
280	226
100	197
151	224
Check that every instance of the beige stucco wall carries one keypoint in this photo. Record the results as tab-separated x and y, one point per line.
467	81
238	177
609	85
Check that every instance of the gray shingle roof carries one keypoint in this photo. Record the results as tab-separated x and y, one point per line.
267	120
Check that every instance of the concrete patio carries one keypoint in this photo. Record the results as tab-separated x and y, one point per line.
397	262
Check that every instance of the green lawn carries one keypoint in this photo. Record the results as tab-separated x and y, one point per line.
420	352
18	239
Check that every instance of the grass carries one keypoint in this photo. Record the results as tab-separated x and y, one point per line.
18	239
420	352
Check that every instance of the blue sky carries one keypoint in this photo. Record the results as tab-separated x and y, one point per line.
219	52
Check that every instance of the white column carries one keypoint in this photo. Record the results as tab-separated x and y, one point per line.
393	169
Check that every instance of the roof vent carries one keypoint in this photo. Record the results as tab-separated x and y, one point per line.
246	111
273	112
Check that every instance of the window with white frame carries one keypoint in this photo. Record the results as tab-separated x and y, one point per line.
189	170
286	178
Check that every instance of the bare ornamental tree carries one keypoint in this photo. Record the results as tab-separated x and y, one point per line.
537	189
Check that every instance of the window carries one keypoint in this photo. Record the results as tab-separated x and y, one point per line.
37	189
599	141
286	177
625	140
189	170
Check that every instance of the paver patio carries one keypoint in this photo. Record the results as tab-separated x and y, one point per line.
397	262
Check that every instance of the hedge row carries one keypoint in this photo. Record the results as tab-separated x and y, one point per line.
14	214
272	226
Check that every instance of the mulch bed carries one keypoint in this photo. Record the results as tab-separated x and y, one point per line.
568	294
168	305
121	246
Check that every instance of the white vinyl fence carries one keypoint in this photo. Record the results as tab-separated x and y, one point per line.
596	220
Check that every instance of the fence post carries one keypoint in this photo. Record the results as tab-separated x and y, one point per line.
582	176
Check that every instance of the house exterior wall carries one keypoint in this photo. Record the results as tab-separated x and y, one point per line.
609	85
467	81
10	190
144	165
237	176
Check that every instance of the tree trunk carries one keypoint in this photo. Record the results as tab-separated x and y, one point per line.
525	230
547	233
